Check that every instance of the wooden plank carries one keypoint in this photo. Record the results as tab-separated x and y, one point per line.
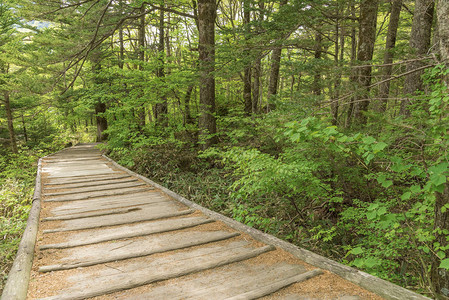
128	231
122	208
105	280
132	217
220	283
90	183
106	212
109	202
121	250
85	179
103	187
123	191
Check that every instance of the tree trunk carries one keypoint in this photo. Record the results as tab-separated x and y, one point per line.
161	110
102	123
10	120
121	44
206	49
353	75
419	44
141	56
274	76
247	99
384	89
25	134
440	277
256	85
367	38
316	85
187	114
274	73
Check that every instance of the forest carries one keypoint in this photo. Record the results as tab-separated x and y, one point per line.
322	122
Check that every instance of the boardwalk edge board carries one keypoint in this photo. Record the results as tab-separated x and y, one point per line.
16	287
373	284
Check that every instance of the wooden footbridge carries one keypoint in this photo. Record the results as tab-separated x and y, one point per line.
97	230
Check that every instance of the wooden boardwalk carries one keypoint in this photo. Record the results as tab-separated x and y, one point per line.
107	233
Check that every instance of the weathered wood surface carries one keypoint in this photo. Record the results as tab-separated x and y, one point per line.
102	235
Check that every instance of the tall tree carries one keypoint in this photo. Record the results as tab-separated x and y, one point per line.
161	108
247	99
384	89
419	44
367	39
276	55
206	48
440	276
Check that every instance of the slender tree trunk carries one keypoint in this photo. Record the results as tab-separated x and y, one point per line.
141	55
440	277
161	110
419	43
257	69
274	73
10	120
100	107
367	38
102	123
274	76
187	114
121	44
384	89
25	134
256	85
353	75
247	99
206	48
337	84
316	85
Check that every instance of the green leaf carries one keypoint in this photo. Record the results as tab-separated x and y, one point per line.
369	140
444	264
357	251
439	169
406	196
415	189
437	179
371	262
371	215
379	147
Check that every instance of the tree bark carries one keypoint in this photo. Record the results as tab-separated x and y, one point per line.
274	73
102	123
419	44
367	38
206	48
247	99
187	114
141	56
316	85
10	120
121	44
384	89
353	75
440	277
161	111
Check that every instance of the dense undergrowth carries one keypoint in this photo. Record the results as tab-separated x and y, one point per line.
364	197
